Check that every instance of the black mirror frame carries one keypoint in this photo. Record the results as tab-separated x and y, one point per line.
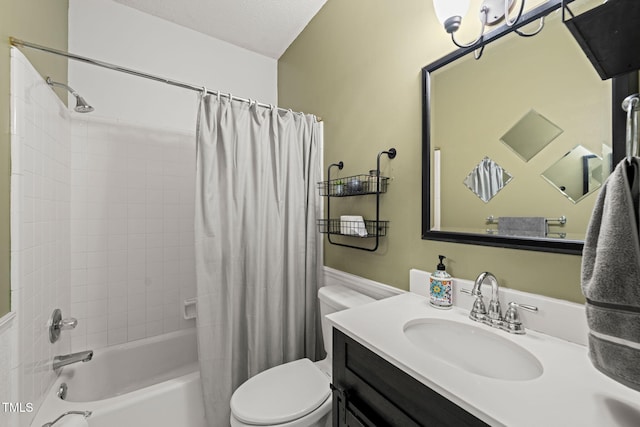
621	87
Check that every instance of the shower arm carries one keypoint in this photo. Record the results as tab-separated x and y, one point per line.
82	106
62	85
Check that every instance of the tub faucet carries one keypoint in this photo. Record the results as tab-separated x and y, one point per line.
68	359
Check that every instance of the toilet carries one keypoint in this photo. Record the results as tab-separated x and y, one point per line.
295	394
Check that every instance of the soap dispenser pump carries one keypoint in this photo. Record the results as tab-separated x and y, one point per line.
440	287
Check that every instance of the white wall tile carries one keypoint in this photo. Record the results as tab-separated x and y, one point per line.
134	229
41	243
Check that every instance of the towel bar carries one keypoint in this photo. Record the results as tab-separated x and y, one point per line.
550	234
562	220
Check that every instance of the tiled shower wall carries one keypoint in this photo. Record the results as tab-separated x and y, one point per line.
40	229
102	228
132	250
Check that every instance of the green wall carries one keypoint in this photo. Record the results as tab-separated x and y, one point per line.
357	65
42	22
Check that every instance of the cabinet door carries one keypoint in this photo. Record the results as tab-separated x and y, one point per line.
350	410
369	391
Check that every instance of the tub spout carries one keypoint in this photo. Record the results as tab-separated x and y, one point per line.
67	359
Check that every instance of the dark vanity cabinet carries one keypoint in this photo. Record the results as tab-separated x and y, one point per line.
369	391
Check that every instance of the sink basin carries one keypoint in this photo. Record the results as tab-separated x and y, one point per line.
474	349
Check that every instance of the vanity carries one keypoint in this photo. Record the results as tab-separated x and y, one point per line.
401	362
387	371
370	391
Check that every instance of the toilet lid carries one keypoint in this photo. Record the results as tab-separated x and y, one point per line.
281	394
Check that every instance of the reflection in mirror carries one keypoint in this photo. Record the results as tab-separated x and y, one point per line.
487	179
607	161
577	174
530	134
474	108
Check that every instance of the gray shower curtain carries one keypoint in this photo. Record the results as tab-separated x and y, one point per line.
257	250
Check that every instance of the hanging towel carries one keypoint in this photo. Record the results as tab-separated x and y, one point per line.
611	276
529	226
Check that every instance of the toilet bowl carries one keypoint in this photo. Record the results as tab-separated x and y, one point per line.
295	394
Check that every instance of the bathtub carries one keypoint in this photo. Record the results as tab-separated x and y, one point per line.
154	381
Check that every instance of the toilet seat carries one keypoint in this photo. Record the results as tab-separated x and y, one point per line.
281	394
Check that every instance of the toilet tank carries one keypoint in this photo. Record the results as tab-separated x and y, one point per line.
337	298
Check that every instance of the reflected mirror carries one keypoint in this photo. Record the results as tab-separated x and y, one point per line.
487	179
577	174
530	135
493	108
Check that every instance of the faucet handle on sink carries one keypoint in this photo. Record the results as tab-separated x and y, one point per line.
478	311
512	321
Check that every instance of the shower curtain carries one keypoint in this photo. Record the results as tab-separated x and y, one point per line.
257	250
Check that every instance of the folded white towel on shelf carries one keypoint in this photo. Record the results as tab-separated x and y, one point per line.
352	225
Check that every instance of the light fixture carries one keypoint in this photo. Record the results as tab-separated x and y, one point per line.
450	13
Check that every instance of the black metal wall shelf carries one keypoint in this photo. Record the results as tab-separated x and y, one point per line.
356	185
366	229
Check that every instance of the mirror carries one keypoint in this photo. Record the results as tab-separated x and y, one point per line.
526	106
530	134
577	174
487	179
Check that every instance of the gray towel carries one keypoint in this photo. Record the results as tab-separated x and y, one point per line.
528	226
611	276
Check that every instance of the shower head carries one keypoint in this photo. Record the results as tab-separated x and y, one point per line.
81	105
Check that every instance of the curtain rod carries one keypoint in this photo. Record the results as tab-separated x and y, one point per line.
21	43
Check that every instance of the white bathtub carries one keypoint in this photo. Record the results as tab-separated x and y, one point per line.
154	381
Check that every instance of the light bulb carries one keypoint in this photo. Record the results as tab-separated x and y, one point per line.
450	12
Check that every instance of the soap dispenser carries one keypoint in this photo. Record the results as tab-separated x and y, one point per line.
440	287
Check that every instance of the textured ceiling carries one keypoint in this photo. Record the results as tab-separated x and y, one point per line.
264	26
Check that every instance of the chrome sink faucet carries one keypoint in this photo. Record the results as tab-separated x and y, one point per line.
494	314
493	317
68	359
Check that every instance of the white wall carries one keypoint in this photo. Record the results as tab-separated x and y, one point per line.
132	242
40	236
109	31
133	161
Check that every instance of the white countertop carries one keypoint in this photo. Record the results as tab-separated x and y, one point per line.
570	391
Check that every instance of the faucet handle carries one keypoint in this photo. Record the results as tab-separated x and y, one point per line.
472	293
57	324
512	321
66	324
478	311
527	307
